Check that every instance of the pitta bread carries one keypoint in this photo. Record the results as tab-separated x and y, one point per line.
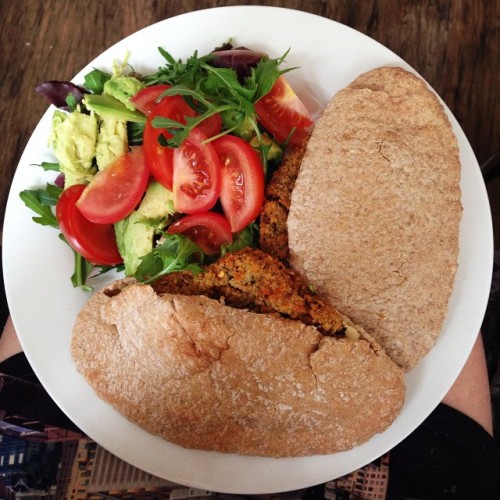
207	376
375	211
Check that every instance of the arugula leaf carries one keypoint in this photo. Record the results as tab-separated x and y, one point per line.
266	73
211	90
224	83
176	253
135	132
52	194
170	73
85	270
167	56
50	166
82	270
71	102
95	80
46	165
179	130
41	202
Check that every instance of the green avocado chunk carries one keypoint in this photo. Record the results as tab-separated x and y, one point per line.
123	88
73	138
107	106
135	234
240	126
112	141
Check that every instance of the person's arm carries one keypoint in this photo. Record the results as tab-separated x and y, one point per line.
470	394
9	343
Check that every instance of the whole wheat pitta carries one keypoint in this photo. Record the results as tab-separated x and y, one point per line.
204	375
375	211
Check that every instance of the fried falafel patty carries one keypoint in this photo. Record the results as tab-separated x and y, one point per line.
273	232
252	279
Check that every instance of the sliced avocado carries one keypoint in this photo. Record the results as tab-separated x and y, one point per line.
158	202
135	234
73	138
112	141
134	237
122	88
271	148
239	125
107	106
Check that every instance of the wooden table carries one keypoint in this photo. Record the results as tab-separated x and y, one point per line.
453	44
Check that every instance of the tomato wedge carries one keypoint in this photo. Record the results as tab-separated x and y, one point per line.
115	191
211	126
197	176
281	110
145	99
242	183
160	158
209	230
94	242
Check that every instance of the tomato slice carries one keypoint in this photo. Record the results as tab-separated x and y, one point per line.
115	191
281	110
145	99
197	176
160	158
242	183
94	242
209	230
211	126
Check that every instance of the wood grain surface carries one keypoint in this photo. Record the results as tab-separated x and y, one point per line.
453	44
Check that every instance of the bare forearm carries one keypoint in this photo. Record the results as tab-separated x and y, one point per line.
470	394
9	343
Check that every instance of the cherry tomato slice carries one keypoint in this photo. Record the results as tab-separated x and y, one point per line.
115	191
242	184
145	99
197	176
94	242
281	110
211	126
209	230
160	158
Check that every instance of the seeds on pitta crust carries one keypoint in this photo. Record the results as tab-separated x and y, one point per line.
375	211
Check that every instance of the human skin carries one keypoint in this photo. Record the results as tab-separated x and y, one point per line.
470	393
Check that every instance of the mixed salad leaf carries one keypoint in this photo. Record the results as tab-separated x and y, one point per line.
41	202
157	142
213	90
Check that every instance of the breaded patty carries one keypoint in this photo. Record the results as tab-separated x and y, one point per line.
273	227
253	279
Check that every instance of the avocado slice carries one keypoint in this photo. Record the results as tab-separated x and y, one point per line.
135	234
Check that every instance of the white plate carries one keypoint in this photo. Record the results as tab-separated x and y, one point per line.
43	303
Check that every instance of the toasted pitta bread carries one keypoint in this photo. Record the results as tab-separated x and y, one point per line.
204	375
375	211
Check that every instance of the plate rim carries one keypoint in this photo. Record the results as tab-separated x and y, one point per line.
13	193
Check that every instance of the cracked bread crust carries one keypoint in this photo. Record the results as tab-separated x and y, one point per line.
204	375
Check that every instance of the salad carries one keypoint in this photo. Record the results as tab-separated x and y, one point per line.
166	171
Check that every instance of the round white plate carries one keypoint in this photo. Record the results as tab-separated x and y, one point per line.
43	303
